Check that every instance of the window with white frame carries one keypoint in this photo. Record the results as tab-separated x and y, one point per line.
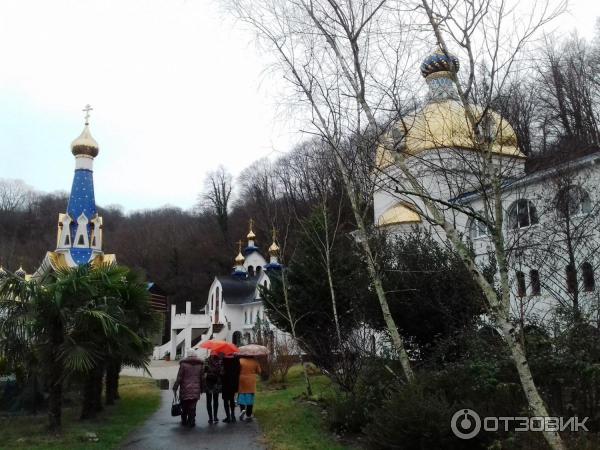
522	214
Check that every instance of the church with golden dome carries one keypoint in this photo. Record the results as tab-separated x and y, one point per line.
439	135
80	227
234	304
437	144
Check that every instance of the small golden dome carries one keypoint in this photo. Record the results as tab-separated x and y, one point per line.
397	215
85	144
251	235
239	259
273	249
445	125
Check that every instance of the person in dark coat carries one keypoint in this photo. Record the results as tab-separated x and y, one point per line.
190	382
231	380
214	379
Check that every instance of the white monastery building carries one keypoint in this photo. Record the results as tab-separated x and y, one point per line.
550	214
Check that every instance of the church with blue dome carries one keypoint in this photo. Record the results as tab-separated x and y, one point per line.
80	227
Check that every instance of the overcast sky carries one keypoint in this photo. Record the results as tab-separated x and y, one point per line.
175	90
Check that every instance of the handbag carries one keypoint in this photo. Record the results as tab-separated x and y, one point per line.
176	406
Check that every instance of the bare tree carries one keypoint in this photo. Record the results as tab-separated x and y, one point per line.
323	84
14	195
216	196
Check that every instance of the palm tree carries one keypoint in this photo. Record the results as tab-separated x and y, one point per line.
72	323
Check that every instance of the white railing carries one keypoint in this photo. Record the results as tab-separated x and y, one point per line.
161	350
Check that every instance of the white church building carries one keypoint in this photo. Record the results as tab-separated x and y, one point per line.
550	215
233	307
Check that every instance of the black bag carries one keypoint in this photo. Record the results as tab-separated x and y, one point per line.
176	406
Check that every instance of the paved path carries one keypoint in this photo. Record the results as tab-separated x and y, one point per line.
161	431
158	369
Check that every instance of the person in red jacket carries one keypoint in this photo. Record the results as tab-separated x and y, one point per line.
190	382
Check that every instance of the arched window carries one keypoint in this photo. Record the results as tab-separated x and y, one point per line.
251	271
589	282
521	286
571	274
477	229
522	214
245	316
258	270
212	302
534	280
573	201
247	338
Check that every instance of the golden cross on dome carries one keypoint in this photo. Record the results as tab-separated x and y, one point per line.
87	110
240	246
251	224
274	234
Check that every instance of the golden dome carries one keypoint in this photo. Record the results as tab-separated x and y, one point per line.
251	235
445	125
398	214
85	144
239	259
273	249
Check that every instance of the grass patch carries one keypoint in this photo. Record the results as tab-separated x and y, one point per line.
288	421
139	399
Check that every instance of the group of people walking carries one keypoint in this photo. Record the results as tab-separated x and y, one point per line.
219	374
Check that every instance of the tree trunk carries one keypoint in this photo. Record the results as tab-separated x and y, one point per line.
374	273
309	391
327	249
536	403
92	394
113	370
55	397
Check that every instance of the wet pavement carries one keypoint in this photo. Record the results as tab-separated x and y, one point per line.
161	431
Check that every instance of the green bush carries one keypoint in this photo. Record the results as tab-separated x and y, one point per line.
348	413
414	418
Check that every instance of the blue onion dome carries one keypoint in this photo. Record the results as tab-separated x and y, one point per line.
20	272
439	62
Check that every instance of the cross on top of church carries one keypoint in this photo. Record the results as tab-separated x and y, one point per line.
251	224
87	110
274	234
240	246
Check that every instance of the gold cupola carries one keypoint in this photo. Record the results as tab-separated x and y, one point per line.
251	236
85	144
442	122
274	248
239	259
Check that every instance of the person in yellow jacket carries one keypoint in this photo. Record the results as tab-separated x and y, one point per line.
249	368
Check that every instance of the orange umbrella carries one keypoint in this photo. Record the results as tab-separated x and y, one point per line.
217	347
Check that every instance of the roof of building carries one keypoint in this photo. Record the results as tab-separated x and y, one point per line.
443	121
237	291
532	177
